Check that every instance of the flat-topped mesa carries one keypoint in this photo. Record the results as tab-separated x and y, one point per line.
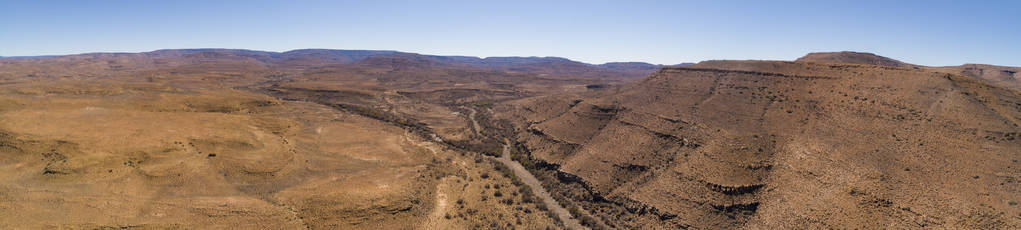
853	58
715	70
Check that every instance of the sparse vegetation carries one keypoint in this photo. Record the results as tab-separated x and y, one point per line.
690	147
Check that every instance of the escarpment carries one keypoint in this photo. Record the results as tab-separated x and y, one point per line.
769	144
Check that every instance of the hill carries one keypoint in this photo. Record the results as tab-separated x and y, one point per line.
1003	76
852	58
769	144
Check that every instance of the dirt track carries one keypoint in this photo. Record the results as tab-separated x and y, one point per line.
530	180
475	124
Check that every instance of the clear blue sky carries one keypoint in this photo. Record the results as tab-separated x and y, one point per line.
664	32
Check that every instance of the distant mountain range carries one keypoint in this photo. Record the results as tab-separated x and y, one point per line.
313	58
1004	76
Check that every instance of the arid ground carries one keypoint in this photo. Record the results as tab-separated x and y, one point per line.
342	139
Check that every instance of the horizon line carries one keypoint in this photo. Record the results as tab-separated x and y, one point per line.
446	55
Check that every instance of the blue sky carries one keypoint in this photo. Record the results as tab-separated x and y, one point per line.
664	32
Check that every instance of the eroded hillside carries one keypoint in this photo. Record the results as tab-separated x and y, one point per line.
1002	76
763	144
309	139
